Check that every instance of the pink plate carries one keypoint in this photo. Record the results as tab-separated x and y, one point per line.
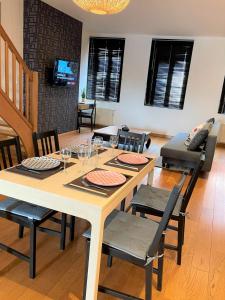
132	159
106	178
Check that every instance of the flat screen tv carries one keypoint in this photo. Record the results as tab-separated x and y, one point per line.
64	73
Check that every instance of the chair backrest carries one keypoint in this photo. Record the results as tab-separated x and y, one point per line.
192	182
174	195
48	141
131	141
7	156
90	108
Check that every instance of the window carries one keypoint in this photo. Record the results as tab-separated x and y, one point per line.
168	73
222	100
105	68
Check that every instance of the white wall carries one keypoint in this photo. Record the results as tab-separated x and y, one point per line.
202	96
12	21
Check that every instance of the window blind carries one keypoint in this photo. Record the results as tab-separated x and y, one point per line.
168	73
105	68
222	100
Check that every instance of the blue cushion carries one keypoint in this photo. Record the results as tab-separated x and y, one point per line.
24	209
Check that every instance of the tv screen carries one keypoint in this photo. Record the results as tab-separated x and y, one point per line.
64	72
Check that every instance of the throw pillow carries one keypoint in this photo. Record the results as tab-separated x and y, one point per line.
193	133
207	126
211	120
198	139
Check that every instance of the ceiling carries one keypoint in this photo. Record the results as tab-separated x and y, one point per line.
155	17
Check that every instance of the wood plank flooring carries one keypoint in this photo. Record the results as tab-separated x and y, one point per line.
60	274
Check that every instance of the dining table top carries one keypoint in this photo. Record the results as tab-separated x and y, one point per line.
52	192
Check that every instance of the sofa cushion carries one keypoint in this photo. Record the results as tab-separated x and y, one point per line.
198	140
176	149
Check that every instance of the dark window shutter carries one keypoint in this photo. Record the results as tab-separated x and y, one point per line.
168	73
105	68
222	100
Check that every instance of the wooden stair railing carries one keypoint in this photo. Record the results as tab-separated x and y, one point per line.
18	92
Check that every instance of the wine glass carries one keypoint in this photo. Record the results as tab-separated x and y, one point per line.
82	154
113	141
66	155
98	142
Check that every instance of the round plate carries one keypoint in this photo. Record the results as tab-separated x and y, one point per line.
40	163
106	178
133	159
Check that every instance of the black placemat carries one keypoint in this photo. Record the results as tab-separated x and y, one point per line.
109	191
74	155
39	174
118	164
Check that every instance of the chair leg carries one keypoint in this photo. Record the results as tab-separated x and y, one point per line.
142	215
91	124
148	281
63	232
33	232
183	229
21	231
80	121
134	210
160	264
135	190
86	270
122	205
109	261
72	228
180	241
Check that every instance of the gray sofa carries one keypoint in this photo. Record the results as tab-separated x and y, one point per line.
175	151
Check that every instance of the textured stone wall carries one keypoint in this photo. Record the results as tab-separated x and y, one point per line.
51	34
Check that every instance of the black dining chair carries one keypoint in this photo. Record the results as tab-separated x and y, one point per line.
25	214
90	114
137	240
46	143
152	201
131	141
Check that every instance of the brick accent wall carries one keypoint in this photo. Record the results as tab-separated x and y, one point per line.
51	34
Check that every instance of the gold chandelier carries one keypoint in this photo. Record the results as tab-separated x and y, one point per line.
102	7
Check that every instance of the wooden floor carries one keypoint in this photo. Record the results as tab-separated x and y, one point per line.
60	274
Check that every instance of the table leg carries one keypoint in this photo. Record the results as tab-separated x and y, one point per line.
94	259
150	177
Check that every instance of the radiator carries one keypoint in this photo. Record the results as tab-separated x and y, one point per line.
105	116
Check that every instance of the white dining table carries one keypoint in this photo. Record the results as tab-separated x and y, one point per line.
53	194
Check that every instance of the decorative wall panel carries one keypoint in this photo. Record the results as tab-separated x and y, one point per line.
51	34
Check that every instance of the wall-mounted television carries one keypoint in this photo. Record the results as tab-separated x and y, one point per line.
64	72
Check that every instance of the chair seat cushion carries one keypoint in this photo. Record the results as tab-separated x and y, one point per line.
24	209
87	114
128	233
155	198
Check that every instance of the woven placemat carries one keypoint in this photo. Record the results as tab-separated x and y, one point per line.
81	183
38	174
117	164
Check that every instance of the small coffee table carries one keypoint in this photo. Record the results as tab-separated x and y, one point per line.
108	131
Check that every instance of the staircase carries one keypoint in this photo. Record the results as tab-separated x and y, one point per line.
18	94
5	130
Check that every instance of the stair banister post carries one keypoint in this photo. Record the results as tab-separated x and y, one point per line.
34	101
